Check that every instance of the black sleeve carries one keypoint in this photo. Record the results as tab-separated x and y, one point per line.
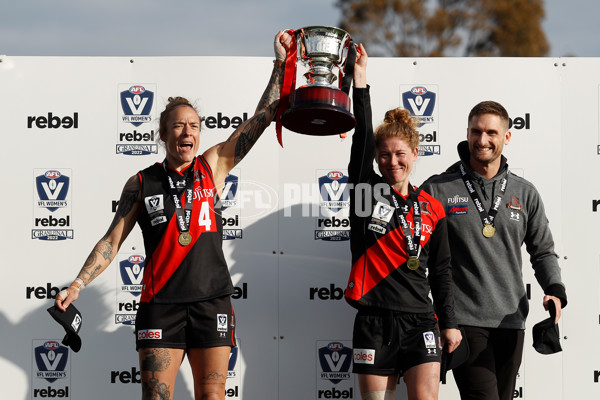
440	275
362	151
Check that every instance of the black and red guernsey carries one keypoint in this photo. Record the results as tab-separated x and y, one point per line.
174	273
380	277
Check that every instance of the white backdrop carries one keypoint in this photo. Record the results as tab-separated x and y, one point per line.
66	138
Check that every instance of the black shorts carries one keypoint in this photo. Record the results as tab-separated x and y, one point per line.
186	325
389	342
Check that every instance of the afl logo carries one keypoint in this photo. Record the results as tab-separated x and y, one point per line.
51	345
418	90
52	174
137	90
335	175
136	259
335	346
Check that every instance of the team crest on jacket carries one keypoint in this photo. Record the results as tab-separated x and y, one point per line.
515	203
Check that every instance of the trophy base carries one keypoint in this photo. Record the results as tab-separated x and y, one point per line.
318	111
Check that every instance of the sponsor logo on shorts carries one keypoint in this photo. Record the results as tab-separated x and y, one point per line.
429	339
364	356
144	334
221	322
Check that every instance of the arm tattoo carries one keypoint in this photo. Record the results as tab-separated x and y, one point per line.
93	265
128	199
265	111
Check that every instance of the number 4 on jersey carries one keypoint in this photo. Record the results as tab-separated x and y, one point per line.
204	217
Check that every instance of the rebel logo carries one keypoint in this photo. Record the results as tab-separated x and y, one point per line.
52	121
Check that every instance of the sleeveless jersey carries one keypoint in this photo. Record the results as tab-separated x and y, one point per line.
175	273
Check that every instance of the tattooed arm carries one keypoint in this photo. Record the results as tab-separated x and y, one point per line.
107	247
226	155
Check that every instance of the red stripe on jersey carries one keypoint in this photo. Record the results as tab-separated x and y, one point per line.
169	254
380	262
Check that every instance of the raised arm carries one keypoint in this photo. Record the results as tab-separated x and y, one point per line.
362	151
107	247
226	155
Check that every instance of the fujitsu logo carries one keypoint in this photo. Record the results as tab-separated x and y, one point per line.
457	200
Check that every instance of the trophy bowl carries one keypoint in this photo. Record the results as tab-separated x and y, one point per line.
320	107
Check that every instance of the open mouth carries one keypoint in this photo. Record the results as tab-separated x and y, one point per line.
186	146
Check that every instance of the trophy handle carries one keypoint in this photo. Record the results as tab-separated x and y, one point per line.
349	67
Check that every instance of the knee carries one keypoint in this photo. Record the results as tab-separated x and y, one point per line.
379	395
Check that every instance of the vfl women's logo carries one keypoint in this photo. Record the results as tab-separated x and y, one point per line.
132	273
229	192
52	189
233	356
51	361
137	104
221	322
334	191
335	360
421	103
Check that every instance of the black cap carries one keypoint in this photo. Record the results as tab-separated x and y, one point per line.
456	358
546	337
71	321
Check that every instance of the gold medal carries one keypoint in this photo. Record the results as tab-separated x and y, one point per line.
489	230
185	238
412	263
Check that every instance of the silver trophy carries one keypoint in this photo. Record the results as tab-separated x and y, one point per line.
320	107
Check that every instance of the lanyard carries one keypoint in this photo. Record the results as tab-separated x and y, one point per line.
413	242
487	217
183	212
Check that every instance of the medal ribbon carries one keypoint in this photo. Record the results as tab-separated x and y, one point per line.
487	217
289	83
413	242
183	212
